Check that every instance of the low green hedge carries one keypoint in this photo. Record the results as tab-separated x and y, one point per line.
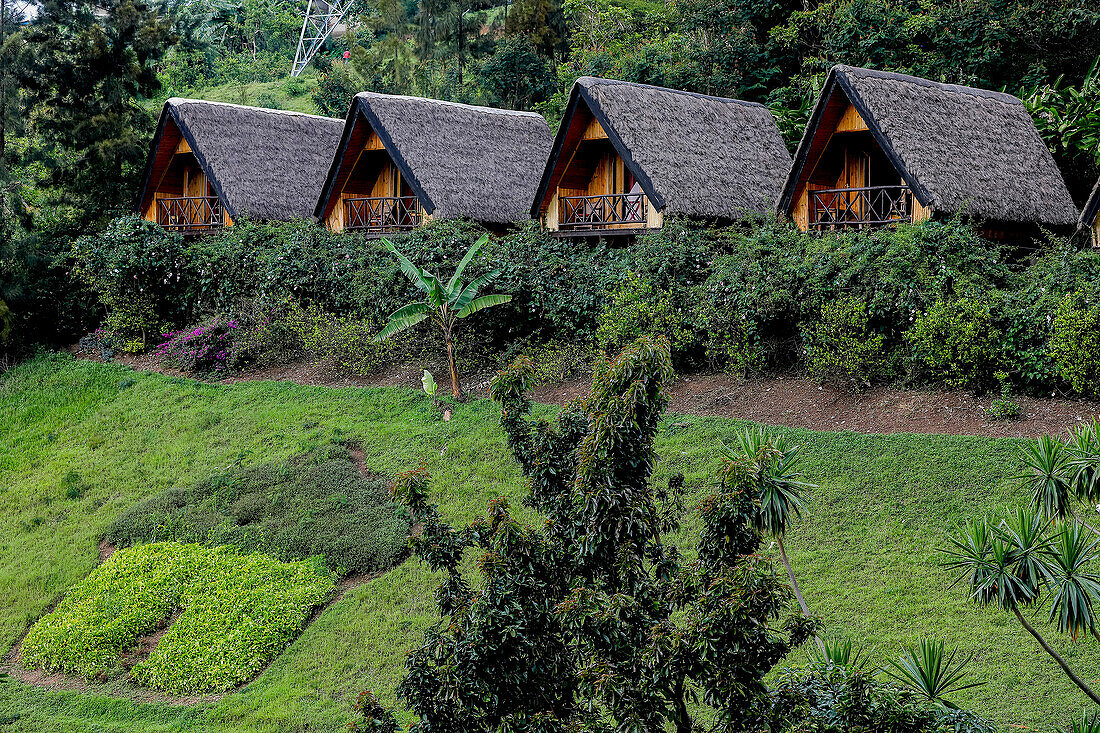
236	613
316	504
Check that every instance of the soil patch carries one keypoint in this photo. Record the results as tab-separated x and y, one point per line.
790	401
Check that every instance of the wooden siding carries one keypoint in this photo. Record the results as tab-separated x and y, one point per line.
372	173
1096	232
178	174
851	121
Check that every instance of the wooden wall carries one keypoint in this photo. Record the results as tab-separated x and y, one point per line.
182	176
373	174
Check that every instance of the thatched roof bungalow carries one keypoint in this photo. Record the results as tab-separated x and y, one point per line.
881	148
402	160
1090	216
210	163
628	155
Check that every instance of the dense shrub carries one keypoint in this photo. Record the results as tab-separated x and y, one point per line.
840	345
554	361
140	274
212	346
236	613
283	330
956	343
636	309
314	504
1075	342
834	699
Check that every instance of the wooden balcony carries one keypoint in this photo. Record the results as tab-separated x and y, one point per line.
382	214
872	206
190	214
608	212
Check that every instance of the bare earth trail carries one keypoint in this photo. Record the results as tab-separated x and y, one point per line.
779	400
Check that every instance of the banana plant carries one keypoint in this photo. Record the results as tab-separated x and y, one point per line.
445	303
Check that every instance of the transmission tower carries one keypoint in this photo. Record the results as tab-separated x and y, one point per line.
322	16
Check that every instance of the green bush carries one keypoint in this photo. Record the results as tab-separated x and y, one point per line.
956	343
553	362
236	613
1075	342
316	504
282	330
141	275
637	309
841	346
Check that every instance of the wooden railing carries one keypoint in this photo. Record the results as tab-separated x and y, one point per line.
382	213
602	212
843	208
190	213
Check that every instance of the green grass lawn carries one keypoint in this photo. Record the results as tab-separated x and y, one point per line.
866	552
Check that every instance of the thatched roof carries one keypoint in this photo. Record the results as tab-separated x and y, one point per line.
693	155
958	148
265	163
1092	208
460	160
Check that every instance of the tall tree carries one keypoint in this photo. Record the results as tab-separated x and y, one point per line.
84	70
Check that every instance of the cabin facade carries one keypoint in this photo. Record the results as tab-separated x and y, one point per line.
628	155
210	162
1090	216
403	160
882	149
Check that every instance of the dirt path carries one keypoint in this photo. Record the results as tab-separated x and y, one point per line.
788	401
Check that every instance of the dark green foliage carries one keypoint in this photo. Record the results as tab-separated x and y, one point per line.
836	699
515	76
314	504
840	346
85	67
140	273
589	620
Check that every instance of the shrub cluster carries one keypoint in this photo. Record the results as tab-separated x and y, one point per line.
236	613
932	303
315	504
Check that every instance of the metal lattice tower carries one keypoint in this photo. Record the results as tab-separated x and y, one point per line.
322	16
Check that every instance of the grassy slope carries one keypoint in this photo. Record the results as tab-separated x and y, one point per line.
866	552
262	93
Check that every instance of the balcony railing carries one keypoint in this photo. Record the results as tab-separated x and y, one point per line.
190	213
841	208
602	212
382	213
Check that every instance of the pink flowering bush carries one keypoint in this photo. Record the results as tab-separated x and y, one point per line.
213	346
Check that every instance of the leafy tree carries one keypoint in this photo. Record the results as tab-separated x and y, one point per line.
589	621
541	22
1068	118
515	76
445	303
1025	560
84	73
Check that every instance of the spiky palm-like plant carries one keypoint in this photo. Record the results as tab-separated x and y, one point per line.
932	671
1047	476
445	303
769	464
1012	563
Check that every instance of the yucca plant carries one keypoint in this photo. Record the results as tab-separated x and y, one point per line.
1084	461
1088	723
933	672
445	303
1047	476
769	464
1012	563
838	651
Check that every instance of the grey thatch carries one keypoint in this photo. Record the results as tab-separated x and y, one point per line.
460	160
265	163
1092	208
694	155
960	149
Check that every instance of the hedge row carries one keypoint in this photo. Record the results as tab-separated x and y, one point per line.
932	303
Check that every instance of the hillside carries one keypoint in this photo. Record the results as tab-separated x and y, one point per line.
866	552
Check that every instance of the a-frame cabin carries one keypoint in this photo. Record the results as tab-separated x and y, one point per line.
627	156
402	160
210	163
883	148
